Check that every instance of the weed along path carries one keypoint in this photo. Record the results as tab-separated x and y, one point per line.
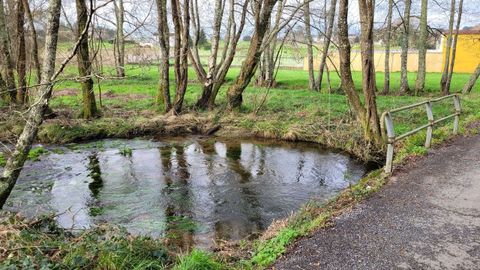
427	217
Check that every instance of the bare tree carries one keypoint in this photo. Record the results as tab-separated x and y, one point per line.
454	48
367	115
473	79
388	41
262	11
181	23
422	48
308	36
448	46
372	121
89	109
229	49
119	38
7	58
206	77
21	54
266	76
326	44
214	77
37	110
404	88
163	94
34	41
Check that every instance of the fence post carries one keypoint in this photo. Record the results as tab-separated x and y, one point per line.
458	110
428	107
390	142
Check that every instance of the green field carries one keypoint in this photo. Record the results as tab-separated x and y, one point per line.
291	102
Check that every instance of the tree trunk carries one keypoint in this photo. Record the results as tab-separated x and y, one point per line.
326	45
21	55
35	116
207	86
35	58
181	52
5	51
119	39
344	50
263	13
404	87
473	79
372	121
454	48
163	95
388	41
422	49
446	64
84	65
229	49
308	35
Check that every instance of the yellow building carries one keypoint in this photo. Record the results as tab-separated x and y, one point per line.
467	55
466	59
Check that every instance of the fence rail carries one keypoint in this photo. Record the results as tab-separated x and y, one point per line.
388	125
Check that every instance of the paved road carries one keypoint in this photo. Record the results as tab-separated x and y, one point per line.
427	217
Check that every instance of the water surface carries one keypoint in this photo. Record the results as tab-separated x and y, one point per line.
193	190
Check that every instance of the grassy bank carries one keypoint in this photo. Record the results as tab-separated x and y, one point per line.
291	112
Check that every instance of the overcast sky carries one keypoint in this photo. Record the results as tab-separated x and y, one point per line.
438	14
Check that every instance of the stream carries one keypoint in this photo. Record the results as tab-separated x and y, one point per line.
193	190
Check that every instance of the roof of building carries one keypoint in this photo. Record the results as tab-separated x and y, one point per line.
463	32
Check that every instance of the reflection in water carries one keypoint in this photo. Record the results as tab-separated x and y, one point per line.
193	191
95	174
179	228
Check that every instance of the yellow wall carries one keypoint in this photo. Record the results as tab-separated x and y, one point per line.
467	58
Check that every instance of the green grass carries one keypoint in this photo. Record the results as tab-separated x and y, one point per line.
3	160
291	111
198	260
36	152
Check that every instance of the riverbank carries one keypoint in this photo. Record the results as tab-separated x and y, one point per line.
332	127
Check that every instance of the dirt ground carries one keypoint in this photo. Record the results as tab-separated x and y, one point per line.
427	217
